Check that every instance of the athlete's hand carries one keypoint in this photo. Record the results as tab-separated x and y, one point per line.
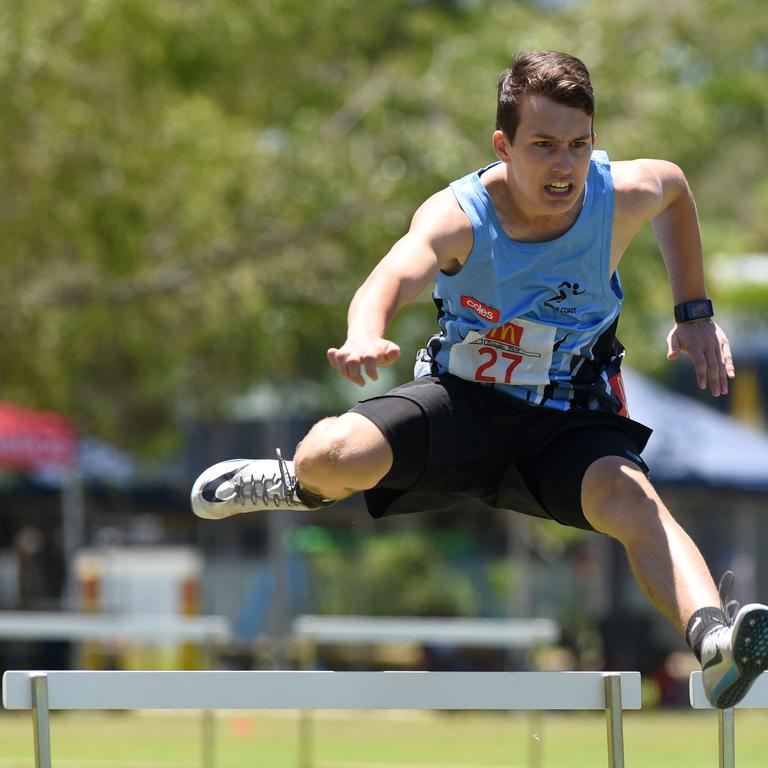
363	352
708	347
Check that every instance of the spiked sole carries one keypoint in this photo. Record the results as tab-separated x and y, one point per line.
750	656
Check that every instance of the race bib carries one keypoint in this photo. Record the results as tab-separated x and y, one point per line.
518	352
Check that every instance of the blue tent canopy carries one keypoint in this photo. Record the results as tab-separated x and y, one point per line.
692	443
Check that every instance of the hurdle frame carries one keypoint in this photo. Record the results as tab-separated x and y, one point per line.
756	698
510	634
211	632
43	691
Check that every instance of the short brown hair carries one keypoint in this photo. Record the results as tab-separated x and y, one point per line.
558	76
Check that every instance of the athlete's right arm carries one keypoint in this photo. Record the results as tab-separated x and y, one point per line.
439	238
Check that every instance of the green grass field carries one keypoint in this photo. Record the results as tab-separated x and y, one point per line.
375	739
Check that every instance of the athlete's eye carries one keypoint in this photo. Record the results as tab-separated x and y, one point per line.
543	144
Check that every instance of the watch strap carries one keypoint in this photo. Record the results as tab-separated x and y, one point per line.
693	310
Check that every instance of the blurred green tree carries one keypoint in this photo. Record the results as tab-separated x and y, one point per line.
404	573
192	191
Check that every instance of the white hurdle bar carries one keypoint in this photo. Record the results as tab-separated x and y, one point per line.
757	698
479	633
42	691
48	625
508	634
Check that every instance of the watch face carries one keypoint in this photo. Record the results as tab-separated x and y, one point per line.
693	310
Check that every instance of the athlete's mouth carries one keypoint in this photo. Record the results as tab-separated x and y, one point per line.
559	187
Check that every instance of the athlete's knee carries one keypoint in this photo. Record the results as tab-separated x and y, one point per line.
319	448
618	499
342	450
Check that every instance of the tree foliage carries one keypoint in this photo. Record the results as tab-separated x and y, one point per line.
193	190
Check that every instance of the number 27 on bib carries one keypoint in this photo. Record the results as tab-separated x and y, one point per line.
518	352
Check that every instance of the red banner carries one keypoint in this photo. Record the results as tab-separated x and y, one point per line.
35	439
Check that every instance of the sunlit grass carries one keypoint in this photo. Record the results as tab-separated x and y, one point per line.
355	739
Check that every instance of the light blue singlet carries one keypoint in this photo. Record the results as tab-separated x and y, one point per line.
535	320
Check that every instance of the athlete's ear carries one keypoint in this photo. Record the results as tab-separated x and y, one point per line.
594	139
501	146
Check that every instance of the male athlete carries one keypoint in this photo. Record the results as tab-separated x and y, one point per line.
517	399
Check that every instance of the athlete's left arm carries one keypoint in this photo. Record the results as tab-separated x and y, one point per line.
659	193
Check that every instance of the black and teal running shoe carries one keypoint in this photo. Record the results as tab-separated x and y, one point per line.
733	655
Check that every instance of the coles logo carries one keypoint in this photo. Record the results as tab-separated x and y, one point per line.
487	313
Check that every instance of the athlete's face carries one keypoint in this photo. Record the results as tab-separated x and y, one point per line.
548	160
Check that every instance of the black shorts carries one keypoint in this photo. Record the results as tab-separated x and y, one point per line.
456	442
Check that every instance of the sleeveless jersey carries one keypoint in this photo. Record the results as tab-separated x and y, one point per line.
534	320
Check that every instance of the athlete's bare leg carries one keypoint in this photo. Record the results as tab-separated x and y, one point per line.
341	455
619	500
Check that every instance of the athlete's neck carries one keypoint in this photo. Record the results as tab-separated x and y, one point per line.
521	218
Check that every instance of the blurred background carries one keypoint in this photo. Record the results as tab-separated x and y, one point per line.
191	193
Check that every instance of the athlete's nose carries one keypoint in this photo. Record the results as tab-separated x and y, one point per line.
563	162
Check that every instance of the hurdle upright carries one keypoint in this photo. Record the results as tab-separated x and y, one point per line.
42	691
726	718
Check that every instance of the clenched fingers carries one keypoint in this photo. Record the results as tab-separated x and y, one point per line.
349	367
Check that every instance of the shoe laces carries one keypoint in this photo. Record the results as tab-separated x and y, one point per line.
729	607
267	490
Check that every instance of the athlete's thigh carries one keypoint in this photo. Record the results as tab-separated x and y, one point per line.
555	477
433	422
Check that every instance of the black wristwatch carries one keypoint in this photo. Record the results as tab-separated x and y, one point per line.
693	310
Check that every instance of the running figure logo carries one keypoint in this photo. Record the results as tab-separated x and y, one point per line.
575	290
562	296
